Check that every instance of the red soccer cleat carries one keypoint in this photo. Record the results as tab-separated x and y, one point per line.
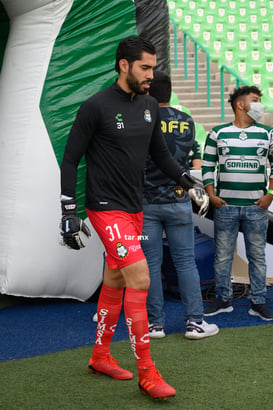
107	366
151	382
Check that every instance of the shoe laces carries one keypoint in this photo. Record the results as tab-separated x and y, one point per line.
111	360
153	375
108	359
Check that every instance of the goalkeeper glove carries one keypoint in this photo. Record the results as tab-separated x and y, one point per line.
71	226
196	193
200	197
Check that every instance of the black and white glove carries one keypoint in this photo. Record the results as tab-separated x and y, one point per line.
71	226
200	197
196	192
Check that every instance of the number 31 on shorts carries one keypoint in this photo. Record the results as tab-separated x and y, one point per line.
113	232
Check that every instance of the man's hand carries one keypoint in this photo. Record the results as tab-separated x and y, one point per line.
200	197
71	226
265	201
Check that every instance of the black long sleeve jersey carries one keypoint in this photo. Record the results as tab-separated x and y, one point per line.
115	131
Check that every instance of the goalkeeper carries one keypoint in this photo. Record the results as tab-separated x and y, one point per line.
115	129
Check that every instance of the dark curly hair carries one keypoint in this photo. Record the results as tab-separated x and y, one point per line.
241	91
131	49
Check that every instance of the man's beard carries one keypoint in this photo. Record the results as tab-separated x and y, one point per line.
135	85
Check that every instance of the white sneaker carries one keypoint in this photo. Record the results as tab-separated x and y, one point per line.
156	331
195	330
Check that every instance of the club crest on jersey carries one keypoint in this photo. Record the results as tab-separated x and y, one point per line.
121	250
179	192
147	116
243	135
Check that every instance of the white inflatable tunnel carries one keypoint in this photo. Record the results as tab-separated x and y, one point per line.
48	70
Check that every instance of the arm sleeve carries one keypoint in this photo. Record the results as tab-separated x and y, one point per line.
210	158
196	150
78	140
270	155
161	155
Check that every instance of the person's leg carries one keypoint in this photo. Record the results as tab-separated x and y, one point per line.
254	224
108	311
254	221
152	247
137	281
180	235
226	227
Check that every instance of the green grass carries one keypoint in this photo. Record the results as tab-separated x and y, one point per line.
230	371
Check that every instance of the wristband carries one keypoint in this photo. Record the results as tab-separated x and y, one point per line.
270	191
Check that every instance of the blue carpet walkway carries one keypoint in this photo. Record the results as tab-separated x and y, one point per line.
46	326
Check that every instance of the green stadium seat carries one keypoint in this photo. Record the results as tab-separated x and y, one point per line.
243	31
229	58
267	48
267	97
174	99
200	133
255	38
263	12
178	15
243	13
206	38
257	79
172	8
267	70
253	5
221	14
243	69
265	29
243	49
209	22
230	40
219	32
255	59
231	5
174	102
253	22
215	50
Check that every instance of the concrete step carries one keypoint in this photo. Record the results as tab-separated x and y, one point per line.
202	104
190	94
202	91
207	110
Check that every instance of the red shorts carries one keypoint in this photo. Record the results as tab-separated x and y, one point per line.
120	233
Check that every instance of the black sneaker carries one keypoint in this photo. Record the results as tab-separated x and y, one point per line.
218	306
261	310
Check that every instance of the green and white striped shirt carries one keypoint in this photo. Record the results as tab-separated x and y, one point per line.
240	155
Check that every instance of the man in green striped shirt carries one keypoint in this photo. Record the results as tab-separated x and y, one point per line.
239	153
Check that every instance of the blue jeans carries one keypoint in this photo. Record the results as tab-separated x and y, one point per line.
177	221
253	221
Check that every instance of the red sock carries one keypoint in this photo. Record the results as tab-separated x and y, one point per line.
137	324
109	306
